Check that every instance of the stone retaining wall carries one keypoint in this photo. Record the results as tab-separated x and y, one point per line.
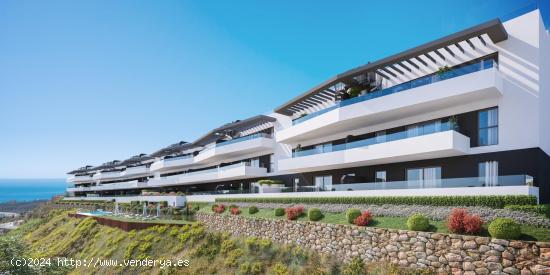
445	253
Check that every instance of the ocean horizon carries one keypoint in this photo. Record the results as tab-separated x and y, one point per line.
30	189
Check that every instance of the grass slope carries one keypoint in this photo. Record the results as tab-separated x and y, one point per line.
57	235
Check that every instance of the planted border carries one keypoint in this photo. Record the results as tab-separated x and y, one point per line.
488	201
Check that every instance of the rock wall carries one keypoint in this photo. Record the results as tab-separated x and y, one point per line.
445	253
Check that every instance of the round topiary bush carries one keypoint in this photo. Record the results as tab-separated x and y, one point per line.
418	222
352	214
504	228
279	212
314	214
253	210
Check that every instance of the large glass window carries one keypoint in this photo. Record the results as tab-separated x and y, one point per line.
488	173
429	177
488	127
380	176
323	183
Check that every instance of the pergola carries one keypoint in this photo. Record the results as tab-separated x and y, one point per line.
405	66
240	126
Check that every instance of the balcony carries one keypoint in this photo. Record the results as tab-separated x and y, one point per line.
80	178
107	175
78	189
255	143
231	172
119	185
169	163
397	147
135	171
462	85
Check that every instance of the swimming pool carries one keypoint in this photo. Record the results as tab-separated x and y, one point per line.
96	213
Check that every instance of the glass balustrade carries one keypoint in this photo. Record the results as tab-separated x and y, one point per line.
239	139
442	127
429	79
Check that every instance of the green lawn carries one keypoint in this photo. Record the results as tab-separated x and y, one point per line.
530	233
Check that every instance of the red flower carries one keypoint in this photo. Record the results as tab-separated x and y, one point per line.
461	222
220	209
364	219
235	211
294	212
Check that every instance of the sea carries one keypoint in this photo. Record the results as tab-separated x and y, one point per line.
30	189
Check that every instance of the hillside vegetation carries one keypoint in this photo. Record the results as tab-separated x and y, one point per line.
57	235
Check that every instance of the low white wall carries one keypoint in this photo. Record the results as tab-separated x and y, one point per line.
174	201
460	191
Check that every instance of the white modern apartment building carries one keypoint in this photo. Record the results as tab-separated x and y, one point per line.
465	114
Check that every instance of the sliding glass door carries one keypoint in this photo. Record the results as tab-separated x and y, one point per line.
428	177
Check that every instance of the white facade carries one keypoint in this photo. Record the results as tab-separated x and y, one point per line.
513	85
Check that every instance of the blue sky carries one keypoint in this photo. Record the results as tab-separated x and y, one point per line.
84	82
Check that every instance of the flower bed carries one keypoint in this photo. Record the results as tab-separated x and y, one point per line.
432	212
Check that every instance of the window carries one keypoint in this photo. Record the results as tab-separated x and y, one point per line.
488	173
488	127
271	163
380	176
429	177
323	183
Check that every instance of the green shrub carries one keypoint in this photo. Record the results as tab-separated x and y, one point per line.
489	201
355	267
504	228
543	209
314	214
352	214
227	246
280	269
418	222
279	212
256	268
253	210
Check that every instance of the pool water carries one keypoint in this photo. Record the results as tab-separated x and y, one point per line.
97	213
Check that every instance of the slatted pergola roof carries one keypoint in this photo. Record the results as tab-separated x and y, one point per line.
404	66
136	160
81	170
237	126
175	148
107	165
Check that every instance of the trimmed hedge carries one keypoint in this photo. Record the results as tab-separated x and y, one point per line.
418	222
489	201
314	214
504	228
279	212
253	210
543	209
